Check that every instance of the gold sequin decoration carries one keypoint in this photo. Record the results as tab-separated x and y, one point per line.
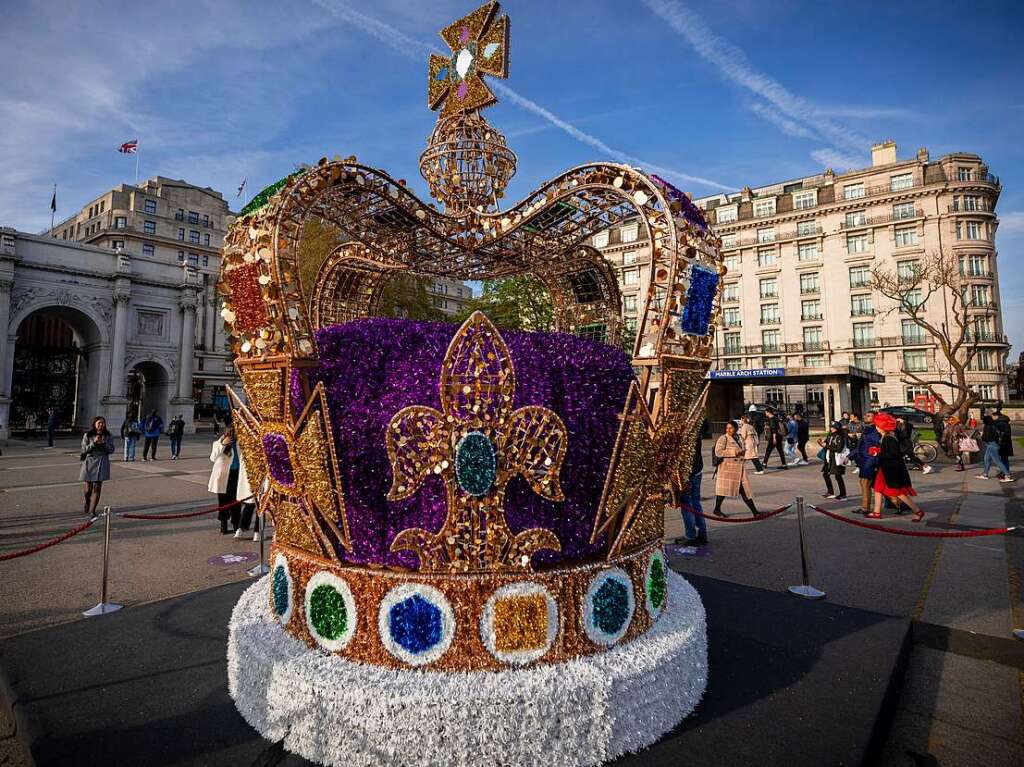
520	623
266	392
290	527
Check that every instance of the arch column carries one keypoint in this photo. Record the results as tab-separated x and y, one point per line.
186	357
6	350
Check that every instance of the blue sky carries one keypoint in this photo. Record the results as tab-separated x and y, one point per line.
718	94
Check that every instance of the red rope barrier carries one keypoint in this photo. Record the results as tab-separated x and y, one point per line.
186	515
916	533
757	518
47	544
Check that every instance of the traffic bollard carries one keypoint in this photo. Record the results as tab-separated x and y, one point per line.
104	606
805	589
261	568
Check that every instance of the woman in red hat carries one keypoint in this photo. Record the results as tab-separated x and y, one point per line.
892	479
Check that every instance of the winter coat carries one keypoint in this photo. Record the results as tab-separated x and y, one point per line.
867	463
891	463
1005	435
732	471
751	443
175	429
154	425
96	466
772	427
803	431
951	438
834	442
991	433
221	461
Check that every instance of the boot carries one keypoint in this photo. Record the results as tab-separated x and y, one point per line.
701	539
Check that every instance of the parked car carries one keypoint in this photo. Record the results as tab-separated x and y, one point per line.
914	415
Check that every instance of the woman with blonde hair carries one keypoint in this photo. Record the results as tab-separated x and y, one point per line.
731	476
751	443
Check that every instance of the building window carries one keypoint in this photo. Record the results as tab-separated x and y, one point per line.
731	318
861	305
863	334
630	276
874	395
813	338
206	260
732	263
809	282
769	314
181	256
972	202
193	258
856	218
206	240
810	310
149	206
963	174
766	234
805	199
148	249
193	236
856	243
601	240
906	236
206	220
120	222
769	288
732	343
903	210
864	360
193	217
629	257
730	241
180	215
974	230
735	363
915	361
805	228
726	215
912	333
980	295
181	235
731	292
807	251
907	271
981	329
774	394
913	392
103	205
772	362
149	227
628	233
629	304
901	181
987	392
912	299
975	265
763	208
766	257
629	325
771	340
860	276
814	360
853	191
117	244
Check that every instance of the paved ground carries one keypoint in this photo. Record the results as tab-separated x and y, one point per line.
962	703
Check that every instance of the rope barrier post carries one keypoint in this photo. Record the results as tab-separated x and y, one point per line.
104	606
262	568
805	589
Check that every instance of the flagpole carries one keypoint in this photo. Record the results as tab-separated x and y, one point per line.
137	145
53	208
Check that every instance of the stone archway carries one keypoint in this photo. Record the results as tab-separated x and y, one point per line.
57	360
149	387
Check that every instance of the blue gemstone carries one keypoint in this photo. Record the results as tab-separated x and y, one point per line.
610	607
475	463
415	624
700	300
490	49
442	74
280	590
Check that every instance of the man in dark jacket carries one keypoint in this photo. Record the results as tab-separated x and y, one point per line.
1002	423
803	434
867	464
775	435
175	430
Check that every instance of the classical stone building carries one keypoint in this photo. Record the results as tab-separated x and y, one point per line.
170	222
93	331
800	323
450	296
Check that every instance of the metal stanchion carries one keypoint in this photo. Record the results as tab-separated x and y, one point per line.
261	568
805	589
104	606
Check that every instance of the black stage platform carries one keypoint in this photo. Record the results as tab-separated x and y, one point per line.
791	683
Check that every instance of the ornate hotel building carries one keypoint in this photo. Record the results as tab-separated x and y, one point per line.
800	323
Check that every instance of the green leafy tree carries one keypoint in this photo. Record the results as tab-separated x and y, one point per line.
407	295
517	303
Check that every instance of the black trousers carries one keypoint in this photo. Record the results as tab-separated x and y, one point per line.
802	447
248	510
839	482
775	442
229	496
743	494
149	444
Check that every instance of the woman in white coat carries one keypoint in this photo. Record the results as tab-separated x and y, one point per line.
228	480
751	443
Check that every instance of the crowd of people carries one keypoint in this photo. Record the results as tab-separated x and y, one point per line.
880	449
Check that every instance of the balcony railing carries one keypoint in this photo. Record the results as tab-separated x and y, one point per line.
861	312
771	294
987	178
860	283
809	289
981	206
771	320
798	346
865	343
812	317
976	273
885	218
988	338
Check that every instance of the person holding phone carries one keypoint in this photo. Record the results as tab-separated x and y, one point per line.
97	445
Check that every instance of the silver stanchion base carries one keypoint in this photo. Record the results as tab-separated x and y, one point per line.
1019	634
807	592
260	569
102	609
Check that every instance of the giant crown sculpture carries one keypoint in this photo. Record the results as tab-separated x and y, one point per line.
467	502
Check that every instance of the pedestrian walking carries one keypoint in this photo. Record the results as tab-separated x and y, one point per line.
892	479
958	442
97	445
130	433
791	432
990	437
803	435
731	475
228	480
751	442
775	436
835	451
175	430
1002	423
152	428
907	441
695	527
866	460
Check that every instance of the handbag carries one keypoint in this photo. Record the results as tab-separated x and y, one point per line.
968	445
842	456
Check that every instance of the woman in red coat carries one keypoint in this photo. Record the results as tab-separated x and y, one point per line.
892	479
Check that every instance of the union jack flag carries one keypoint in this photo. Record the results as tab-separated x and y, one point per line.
241	188
129	147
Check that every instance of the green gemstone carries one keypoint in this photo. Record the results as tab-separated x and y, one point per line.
327	612
656	585
475	463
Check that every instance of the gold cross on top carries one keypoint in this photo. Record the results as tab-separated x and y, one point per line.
479	44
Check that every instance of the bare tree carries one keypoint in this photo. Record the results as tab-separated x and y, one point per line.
938	277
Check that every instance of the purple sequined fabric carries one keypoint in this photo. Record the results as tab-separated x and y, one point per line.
372	368
278	461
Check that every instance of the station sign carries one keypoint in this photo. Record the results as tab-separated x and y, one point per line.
718	375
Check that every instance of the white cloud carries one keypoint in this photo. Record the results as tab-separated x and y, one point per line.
1011	222
784	124
838	161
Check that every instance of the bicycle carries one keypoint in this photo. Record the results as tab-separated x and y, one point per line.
926	452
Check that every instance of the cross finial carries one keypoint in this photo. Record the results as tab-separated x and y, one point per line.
479	45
